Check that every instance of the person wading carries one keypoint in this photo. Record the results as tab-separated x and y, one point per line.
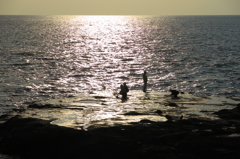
145	79
124	90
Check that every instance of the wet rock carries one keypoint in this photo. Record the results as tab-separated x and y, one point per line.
238	107
99	97
35	139
174	93
229	114
41	106
146	121
159	112
133	113
169	117
171	104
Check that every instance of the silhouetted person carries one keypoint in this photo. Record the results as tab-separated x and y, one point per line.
174	93
145	79
124	90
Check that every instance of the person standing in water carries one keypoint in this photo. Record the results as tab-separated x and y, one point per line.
145	79
124	90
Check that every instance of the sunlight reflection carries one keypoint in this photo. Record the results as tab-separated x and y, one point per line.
102	33
107	50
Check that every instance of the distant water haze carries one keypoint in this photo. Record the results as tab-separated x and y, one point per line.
50	56
123	7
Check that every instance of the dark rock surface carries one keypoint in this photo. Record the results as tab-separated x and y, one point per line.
232	114
151	125
31	138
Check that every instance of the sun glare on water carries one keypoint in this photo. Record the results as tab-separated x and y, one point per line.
105	50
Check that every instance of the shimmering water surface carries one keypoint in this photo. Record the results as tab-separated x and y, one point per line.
45	57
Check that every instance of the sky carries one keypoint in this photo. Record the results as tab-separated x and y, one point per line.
119	7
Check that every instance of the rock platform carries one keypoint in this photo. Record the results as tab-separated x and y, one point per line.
99	125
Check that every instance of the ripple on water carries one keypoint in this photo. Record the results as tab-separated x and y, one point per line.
79	54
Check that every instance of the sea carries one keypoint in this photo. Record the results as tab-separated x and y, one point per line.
45	57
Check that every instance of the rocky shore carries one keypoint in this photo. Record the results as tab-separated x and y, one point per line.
194	138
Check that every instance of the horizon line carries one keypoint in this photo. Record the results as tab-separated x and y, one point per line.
120	15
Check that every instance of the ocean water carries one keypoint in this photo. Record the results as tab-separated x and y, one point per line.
44	57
